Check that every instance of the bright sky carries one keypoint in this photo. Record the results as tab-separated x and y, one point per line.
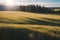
48	3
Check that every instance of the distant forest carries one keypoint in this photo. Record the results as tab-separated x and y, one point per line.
29	8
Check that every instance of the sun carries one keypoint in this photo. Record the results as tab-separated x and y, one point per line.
9	2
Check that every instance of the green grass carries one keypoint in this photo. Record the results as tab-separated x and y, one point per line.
45	23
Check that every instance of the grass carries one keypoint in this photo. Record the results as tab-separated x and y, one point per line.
45	23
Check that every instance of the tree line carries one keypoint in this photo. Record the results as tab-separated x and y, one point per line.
29	8
37	8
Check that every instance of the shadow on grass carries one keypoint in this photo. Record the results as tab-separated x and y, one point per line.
53	20
34	22
41	22
55	13
23	34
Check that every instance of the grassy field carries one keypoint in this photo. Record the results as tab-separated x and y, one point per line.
48	24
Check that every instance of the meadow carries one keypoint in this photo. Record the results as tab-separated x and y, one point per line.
36	26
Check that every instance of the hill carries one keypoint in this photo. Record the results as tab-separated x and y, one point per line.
47	25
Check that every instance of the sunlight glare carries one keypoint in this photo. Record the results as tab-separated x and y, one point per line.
9	2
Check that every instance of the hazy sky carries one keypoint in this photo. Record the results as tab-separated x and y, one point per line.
48	3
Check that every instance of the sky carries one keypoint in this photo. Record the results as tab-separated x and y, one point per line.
47	3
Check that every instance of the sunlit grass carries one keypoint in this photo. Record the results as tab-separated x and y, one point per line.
7	20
